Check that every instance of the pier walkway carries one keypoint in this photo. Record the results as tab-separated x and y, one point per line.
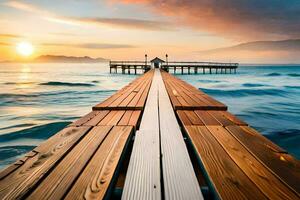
156	138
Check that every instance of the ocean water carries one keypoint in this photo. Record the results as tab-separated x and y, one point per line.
37	100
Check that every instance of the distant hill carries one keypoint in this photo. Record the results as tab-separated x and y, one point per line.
67	59
281	45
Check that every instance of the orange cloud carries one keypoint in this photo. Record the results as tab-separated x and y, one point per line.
254	19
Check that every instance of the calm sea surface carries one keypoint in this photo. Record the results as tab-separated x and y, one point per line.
37	100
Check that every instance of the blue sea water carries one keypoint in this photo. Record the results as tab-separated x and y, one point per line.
37	100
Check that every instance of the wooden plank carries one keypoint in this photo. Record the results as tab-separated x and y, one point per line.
84	119
126	117
193	117
179	178
133	121
11	168
134	101
269	184
221	118
183	118
275	158
126	101
143	174
96	119
58	182
18	183
207	118
227	179
112	118
234	119
95	180
124	95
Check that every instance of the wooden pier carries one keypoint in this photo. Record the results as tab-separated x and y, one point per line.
156	138
133	67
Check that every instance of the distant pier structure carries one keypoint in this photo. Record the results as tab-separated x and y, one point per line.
133	67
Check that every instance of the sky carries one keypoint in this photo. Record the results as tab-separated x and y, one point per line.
205	30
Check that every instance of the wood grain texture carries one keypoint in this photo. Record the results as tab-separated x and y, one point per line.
275	158
143	174
131	97
234	119
112	118
125	118
227	179
134	119
186	97
207	118
97	118
221	118
183	118
57	183
18	183
84	119
179	178
95	180
266	181
193	117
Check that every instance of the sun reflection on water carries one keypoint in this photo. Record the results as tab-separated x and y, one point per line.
25	77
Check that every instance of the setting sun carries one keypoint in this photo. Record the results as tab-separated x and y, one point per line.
25	48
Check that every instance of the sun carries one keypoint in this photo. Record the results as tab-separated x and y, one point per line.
25	48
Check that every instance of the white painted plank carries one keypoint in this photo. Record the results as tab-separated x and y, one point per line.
143	174
179	178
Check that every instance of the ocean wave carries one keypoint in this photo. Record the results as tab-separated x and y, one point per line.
253	85
244	92
294	75
7	152
58	83
19	83
273	74
210	81
18	126
38	132
292	87
52	93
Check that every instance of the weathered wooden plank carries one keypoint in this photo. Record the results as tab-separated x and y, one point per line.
96	119
94	181
143	174
183	118
84	119
126	117
227	179
193	117
275	158
234	119
11	168
122	98
58	182
112	118
263	178
221	118
179	178
137	97
133	121
207	118
18	183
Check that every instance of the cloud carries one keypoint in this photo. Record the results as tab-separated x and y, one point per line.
234	18
92	45
127	23
4	44
12	36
